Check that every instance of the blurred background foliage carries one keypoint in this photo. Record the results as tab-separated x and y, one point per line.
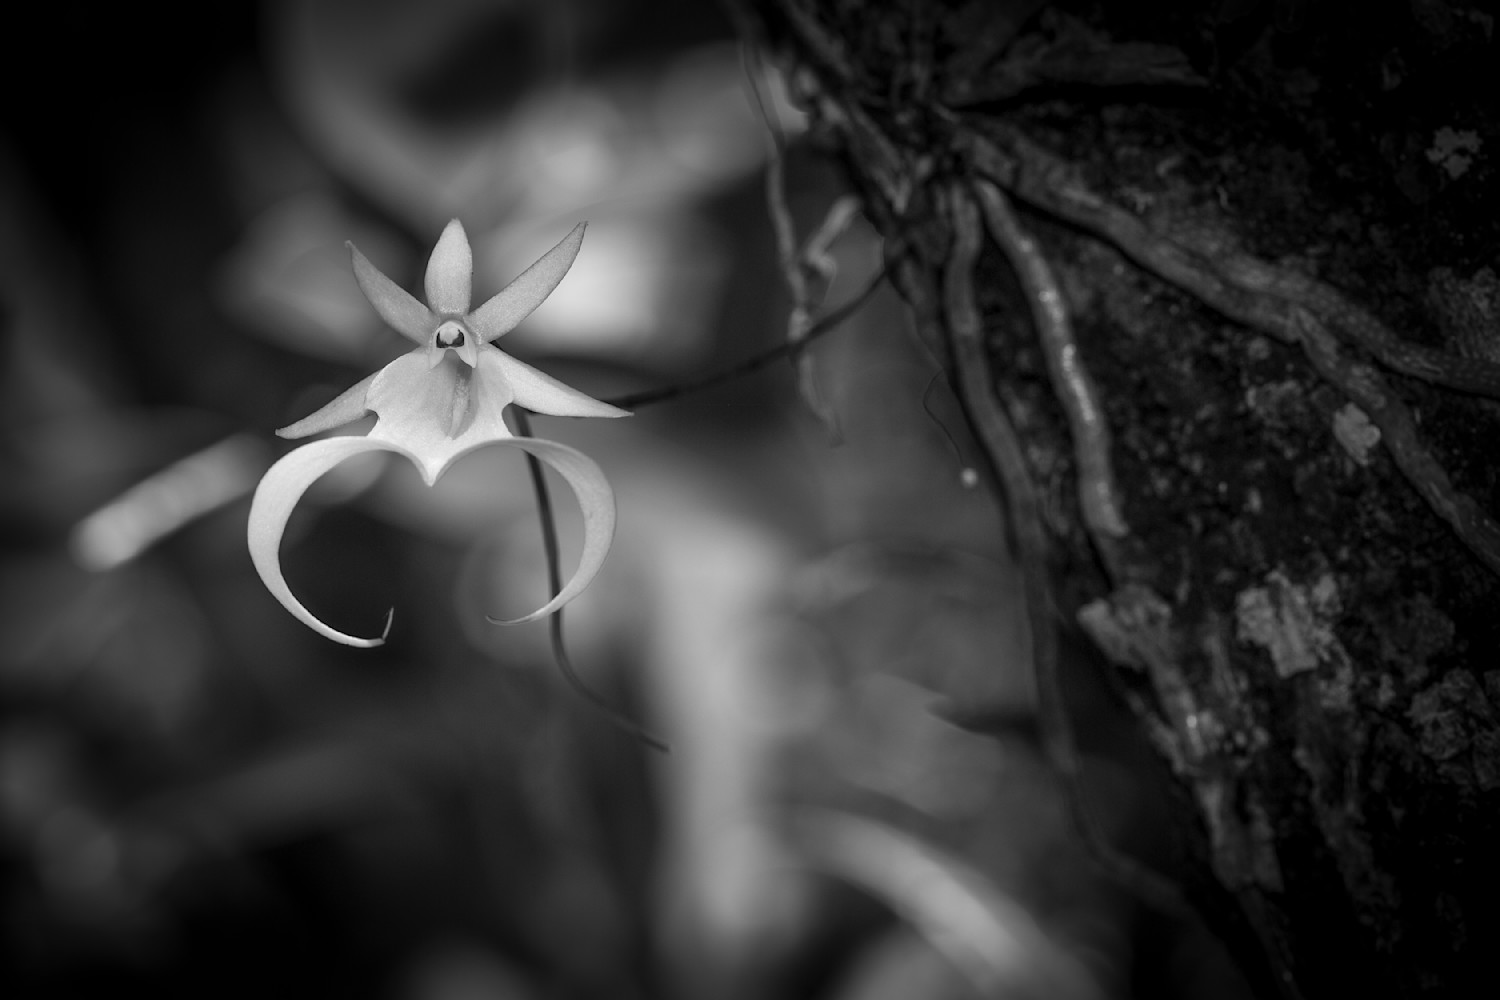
200	797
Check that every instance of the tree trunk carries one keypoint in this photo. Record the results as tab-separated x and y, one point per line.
1216	286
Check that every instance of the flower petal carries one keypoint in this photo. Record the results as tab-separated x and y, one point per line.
450	272
541	393
597	501
395	304
520	298
278	492
347	407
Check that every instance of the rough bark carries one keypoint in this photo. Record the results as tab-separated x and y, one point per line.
1217	289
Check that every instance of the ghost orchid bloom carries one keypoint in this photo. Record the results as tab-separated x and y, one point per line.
439	402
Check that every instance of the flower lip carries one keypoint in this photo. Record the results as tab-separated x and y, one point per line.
288	479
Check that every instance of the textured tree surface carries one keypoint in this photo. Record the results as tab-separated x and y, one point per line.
1217	287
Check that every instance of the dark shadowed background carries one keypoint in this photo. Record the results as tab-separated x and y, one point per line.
199	797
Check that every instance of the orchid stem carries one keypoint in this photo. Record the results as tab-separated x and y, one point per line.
554	585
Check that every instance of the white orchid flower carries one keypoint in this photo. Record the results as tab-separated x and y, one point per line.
439	402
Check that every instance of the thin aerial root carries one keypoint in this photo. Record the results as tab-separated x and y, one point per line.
816	257
992	427
794	263
1240	286
826	323
1098	497
991	424
1291	307
1473	375
1398	430
1043	182
966	476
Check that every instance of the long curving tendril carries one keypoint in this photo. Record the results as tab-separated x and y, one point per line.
554	584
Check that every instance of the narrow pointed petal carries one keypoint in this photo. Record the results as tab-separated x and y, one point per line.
345	408
520	298
395	304
595	499
450	272
278	492
541	393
